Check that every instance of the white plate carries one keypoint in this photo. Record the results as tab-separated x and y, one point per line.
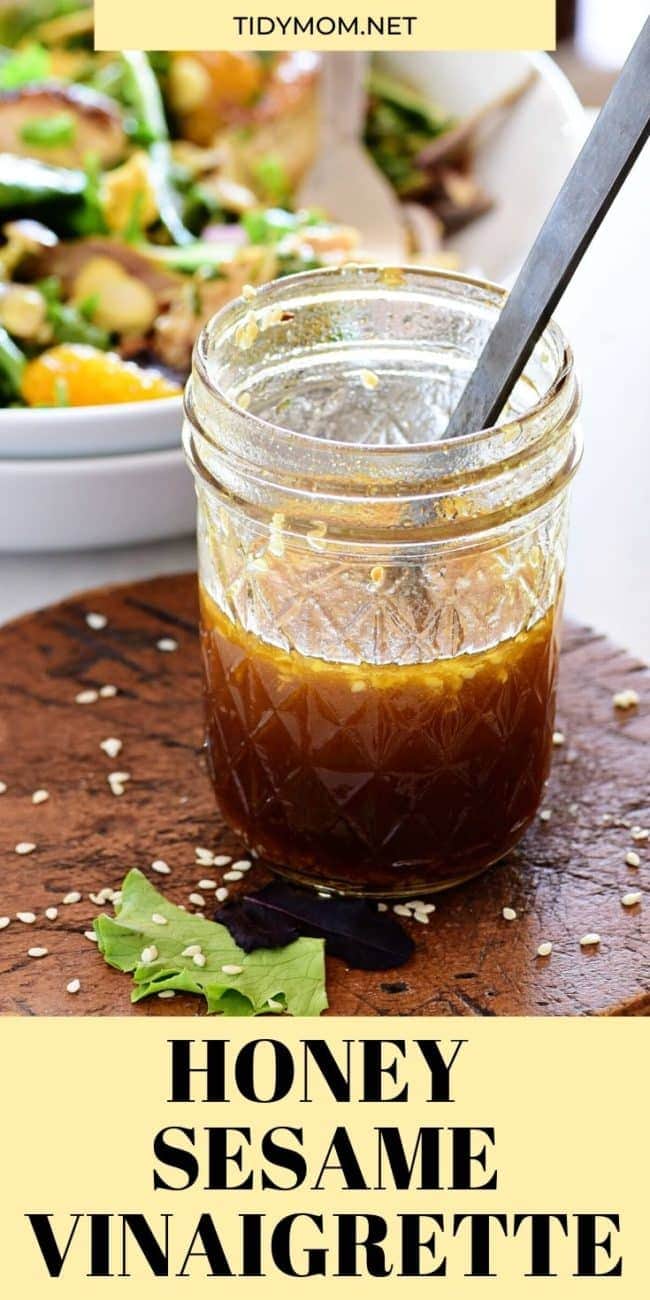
78	504
522	159
522	163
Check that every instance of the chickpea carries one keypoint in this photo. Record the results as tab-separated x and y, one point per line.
23	311
189	83
124	305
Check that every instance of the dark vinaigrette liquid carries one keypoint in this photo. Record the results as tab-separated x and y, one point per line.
378	779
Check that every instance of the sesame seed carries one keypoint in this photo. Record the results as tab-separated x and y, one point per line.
191	950
149	955
159	919
111	746
91	936
73	897
632	859
247	332
167	993
86	697
117	781
222	894
199	959
242	865
425	907
161	867
322	893
369	379
37	952
509	914
358	687
276	545
232	970
73	987
627	699
4	922
197	899
545	815
27	918
589	940
400	909
51	913
558	737
233	875
545	949
40	796
221	860
204	857
105	895
272	316
24	847
574	809
377	575
639	834
167	644
108	692
207	884
631	899
382	907
3	787
421	917
96	621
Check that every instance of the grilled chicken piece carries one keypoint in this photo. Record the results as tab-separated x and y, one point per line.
175	331
61	124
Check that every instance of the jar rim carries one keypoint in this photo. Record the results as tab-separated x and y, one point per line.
227	318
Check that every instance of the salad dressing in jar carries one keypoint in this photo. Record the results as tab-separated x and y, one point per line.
379	606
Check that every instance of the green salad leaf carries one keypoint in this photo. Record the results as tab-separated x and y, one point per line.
24	67
290	979
271	225
49	132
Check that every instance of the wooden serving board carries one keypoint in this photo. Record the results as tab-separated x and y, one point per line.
566	879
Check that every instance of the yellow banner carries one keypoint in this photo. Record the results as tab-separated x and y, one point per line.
363	1154
335	24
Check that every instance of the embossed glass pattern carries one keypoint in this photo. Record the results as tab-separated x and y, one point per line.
379	605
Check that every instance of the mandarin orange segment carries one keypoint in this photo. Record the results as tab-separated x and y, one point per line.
75	374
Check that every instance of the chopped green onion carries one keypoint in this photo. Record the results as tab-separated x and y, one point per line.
24	67
12	362
49	132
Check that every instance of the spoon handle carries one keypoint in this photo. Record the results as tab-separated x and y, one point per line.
343	95
610	150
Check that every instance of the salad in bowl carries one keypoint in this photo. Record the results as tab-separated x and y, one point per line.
140	192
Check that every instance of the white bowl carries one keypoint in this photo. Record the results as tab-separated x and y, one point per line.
91	430
95	501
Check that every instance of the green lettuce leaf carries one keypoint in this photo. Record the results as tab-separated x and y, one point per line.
288	979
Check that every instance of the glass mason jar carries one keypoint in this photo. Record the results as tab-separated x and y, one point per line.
379	607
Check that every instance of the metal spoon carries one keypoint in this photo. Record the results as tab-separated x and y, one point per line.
612	147
344	180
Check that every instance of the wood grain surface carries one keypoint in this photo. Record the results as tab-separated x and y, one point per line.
566	879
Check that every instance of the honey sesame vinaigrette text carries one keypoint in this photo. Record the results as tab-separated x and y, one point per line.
380	607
